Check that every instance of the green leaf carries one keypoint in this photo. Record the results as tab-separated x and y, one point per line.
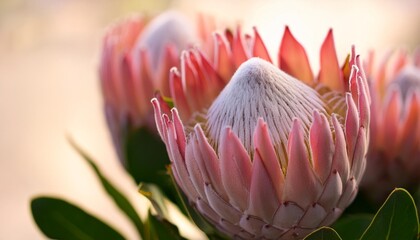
159	226
156	197
120	200
161	229
351	227
153	193
59	219
323	233
146	159
396	219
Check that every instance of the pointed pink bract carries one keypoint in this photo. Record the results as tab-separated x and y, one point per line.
236	168
293	58
330	72
301	185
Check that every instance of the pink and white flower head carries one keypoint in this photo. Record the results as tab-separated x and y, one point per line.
136	57
278	152
394	152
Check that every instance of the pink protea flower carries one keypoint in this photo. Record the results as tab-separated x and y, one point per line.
277	153
136	57
394	152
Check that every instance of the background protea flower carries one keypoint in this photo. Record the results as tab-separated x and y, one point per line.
136	57
277	153
394	152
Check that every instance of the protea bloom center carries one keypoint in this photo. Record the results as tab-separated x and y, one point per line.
273	156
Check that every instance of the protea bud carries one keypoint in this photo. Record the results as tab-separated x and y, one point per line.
273	156
394	152
136	57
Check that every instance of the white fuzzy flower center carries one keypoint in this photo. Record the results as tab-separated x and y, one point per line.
407	79
169	27
260	89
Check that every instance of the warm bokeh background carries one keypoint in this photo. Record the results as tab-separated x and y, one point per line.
49	88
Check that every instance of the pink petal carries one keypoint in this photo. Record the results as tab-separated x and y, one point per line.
313	216
322	146
191	82
223	208
359	156
189	190
117	46
271	232
364	105
201	83
230	228
330	72
259	49
411	126
158	118
164	107
165	121
333	188
400	62
178	95
214	84
210	84
353	84
252	224
169	60
381	76
293	58
238	48
349	188
267	154
346	70
223	58
375	119
193	169
229	36
340	159
127	83
363	77
301	185
115	83
391	121
236	168
207	211
242	234
178	162
208	161
143	84
263	201
351	125
179	130
287	215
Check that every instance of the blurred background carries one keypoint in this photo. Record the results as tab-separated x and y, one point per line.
49	90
